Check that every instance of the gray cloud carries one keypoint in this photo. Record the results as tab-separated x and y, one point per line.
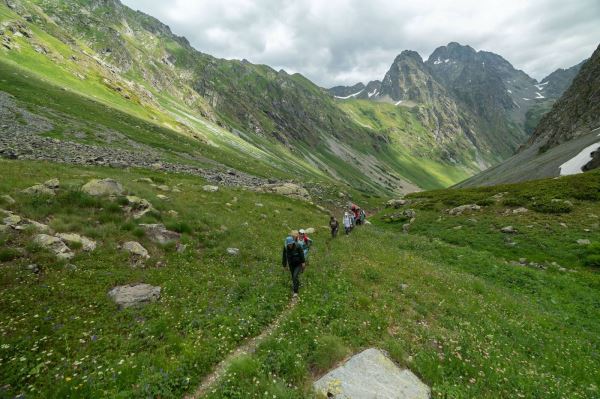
345	41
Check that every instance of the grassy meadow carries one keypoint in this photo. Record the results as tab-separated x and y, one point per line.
452	304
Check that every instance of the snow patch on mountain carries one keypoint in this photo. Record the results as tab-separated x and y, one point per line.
350	96
573	166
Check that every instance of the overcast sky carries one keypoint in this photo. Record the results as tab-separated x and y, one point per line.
346	41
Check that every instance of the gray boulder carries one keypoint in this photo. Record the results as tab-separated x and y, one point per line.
138	207
135	249
97	187
371	374
134	294
233	251
395	203
86	244
53	244
508	230
38	189
8	199
53	184
12	220
459	210
584	241
159	233
210	189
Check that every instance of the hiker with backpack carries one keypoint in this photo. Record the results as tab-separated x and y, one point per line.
347	223
293	257
304	242
334	225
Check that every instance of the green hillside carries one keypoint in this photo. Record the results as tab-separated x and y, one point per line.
473	311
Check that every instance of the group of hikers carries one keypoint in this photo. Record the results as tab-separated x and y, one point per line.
297	246
355	216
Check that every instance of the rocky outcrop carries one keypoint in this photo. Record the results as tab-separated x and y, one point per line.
102	187
86	244
134	295
135	249
54	244
370	372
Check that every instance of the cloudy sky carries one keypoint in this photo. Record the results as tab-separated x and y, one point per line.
346	41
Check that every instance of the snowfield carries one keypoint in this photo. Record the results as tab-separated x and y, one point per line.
573	166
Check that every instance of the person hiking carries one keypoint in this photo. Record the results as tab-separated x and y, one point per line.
356	212
334	225
347	223
293	257
362	216
304	242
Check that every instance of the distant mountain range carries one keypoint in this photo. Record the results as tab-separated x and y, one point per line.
426	124
460	91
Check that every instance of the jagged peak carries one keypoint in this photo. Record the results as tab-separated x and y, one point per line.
409	54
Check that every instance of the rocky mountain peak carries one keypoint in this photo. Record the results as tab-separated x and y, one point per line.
409	55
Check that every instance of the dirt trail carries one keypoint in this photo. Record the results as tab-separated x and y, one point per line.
247	348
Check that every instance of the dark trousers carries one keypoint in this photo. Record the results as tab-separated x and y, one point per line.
334	232
296	270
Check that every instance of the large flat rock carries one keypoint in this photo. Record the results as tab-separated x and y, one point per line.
371	375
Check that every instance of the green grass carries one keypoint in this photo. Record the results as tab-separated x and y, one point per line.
446	303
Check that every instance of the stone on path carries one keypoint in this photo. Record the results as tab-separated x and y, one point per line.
210	189
97	187
135	249
371	374
86	244
159	233
134	294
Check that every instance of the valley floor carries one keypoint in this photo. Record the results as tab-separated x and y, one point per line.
474	311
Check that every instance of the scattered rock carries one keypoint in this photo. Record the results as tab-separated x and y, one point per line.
163	187
175	190
162	197
459	210
71	267
159	233
33	268
8	199
395	203
457	228
134	294
563	225
310	230
54	244
520	210
86	244
38	189
145	180
371	374
584	241
138	206
52	184
173	213
97	187
210	189
12	220
508	230
405	228
233	251
403	287
135	249
410	213
259	205
180	248
290	190
341	195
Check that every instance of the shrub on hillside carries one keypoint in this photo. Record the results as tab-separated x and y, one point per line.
592	256
546	206
8	254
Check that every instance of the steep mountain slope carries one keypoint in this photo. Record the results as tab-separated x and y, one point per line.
565	141
131	61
